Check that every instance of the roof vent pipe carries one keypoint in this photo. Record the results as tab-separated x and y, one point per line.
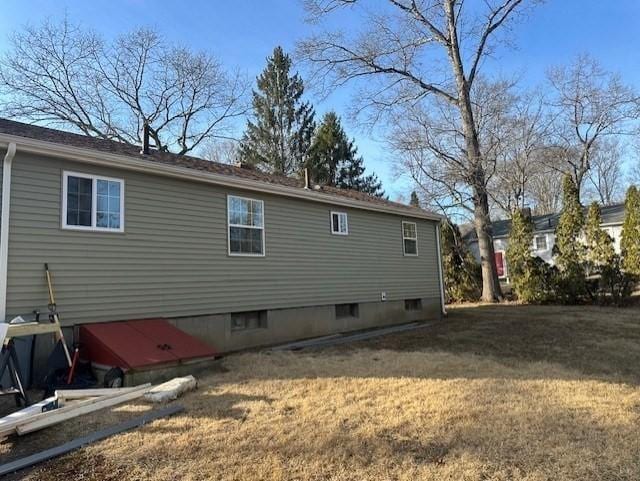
145	139
306	178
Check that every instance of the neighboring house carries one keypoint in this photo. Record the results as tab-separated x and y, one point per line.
544	227
234	256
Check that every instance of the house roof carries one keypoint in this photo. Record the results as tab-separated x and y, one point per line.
611	214
9	129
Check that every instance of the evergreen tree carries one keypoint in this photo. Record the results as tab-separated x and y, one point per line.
462	277
278	138
568	249
630	242
333	159
329	150
599	245
351	176
415	201
531	277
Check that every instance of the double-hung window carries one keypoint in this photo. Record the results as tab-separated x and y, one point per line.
540	242
92	202
409	238
246	226
339	224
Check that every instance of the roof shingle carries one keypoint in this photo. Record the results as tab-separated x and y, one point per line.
11	127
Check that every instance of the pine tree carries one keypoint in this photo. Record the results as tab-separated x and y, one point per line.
333	159
415	201
599	245
278	138
569	250
329	150
630	242
462	277
351	176
519	253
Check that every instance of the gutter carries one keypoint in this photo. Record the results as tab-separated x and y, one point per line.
4	226
440	269
106	159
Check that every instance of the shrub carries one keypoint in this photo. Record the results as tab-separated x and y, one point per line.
528	275
616	285
462	275
599	245
630	242
568	249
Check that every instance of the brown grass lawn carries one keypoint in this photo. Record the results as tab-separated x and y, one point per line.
492	393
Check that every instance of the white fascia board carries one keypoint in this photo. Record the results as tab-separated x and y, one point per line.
95	157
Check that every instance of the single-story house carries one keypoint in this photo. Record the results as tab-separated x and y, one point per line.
229	254
544	237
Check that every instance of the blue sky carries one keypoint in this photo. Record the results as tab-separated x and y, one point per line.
242	33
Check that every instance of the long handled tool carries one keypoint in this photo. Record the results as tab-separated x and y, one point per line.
53	314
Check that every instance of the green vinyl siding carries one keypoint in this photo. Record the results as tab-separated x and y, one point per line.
172	258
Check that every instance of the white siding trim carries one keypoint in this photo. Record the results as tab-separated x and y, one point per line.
4	227
94	202
440	270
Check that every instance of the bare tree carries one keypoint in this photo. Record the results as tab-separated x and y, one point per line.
57	73
545	186
225	151
422	52
591	104
519	159
605	178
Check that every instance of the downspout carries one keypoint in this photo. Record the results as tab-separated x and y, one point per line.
440	275
4	227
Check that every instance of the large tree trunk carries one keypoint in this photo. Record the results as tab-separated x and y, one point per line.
491	291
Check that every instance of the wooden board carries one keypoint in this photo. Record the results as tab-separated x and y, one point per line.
32	328
9	422
84	440
70	394
7	426
70	411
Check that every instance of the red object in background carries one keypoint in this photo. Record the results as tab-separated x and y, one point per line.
499	264
140	344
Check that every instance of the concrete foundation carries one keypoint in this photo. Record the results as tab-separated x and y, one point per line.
284	325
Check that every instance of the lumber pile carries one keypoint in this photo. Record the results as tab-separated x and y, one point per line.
70	403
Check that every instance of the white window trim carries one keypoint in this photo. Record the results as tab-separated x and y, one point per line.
505	273
410	238
94	202
346	222
535	243
229	225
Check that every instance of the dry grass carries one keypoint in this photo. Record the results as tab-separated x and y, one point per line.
495	393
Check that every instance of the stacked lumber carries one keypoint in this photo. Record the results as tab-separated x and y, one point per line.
70	404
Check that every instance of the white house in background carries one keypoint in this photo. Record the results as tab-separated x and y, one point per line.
544	237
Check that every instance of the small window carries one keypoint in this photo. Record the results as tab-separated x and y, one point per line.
339	224
410	238
91	202
246	226
243	321
346	310
540	242
412	305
